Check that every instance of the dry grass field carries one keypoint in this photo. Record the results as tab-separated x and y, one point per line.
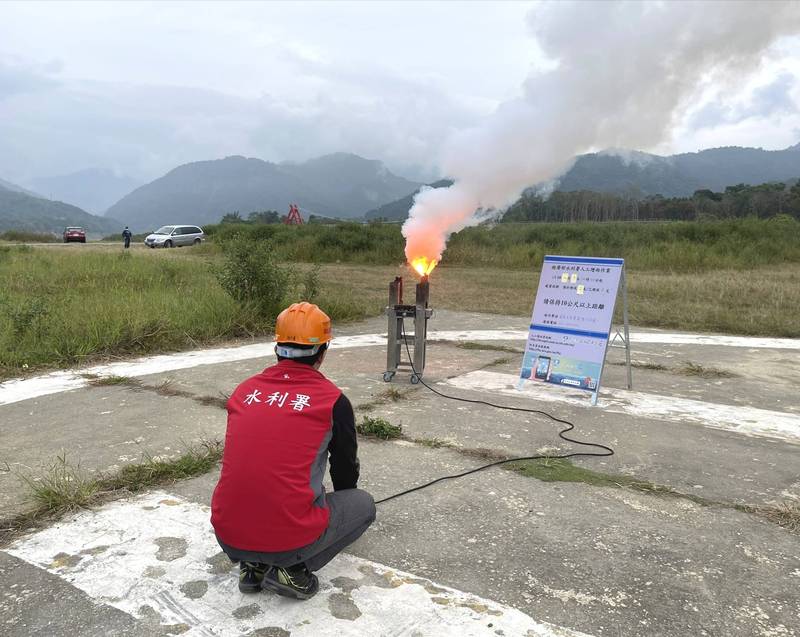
762	301
63	305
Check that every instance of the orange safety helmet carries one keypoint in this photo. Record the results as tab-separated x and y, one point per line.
303	324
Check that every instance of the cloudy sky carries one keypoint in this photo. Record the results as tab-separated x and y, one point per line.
139	88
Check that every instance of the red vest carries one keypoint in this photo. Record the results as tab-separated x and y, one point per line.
269	497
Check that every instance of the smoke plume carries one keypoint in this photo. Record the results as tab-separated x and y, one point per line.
624	74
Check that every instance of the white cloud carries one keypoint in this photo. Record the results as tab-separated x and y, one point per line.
141	87
765	102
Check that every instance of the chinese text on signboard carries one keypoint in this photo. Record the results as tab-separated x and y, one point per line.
571	321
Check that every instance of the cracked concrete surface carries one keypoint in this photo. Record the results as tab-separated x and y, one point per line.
596	560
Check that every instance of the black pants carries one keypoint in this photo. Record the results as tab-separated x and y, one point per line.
127	242
352	511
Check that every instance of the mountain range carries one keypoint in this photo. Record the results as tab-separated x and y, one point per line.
338	185
22	210
641	174
348	186
93	189
638	175
398	210
7	185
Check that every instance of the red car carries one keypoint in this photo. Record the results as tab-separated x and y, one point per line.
74	234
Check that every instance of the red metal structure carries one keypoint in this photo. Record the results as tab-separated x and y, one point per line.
293	218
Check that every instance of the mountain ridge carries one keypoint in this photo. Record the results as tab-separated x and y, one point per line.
398	210
637	174
7	185
22	211
92	189
643	174
336	185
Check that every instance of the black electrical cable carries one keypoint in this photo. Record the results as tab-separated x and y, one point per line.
606	450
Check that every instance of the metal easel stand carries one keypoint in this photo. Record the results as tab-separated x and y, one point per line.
621	339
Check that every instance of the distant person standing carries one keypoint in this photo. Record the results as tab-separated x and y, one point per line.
126	237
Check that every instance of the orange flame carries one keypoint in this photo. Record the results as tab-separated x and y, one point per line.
423	265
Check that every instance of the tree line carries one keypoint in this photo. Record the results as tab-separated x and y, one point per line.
255	217
258	217
762	201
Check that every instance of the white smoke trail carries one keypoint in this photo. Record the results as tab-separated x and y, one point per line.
625	73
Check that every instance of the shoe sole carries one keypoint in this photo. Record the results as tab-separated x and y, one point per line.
250	589
288	591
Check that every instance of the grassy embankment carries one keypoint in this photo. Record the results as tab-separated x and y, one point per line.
19	236
61	308
663	247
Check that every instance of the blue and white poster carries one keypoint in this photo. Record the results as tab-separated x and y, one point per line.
571	321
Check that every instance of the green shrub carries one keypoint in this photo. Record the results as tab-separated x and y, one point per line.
251	274
311	284
25	316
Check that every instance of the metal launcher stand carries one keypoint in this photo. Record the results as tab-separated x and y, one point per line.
398	338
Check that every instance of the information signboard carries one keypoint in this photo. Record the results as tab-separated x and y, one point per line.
571	321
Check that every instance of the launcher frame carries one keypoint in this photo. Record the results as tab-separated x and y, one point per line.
397	337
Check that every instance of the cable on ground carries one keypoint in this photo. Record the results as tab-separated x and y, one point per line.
604	450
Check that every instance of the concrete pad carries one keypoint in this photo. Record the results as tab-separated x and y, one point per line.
595	560
707	463
599	560
122	562
100	429
34	601
502	329
104	427
35	431
357	371
748	421
760	377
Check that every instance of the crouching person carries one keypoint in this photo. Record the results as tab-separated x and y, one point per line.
270	510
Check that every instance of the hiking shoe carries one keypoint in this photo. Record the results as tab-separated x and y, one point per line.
296	581
251	575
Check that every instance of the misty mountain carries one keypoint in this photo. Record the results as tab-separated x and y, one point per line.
398	210
21	211
92	189
641	174
7	185
338	185
636	174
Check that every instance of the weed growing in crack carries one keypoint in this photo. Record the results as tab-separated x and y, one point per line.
489	347
785	514
63	486
393	394
695	369
497	362
110	381
433	443
153	470
220	401
658	367
378	428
